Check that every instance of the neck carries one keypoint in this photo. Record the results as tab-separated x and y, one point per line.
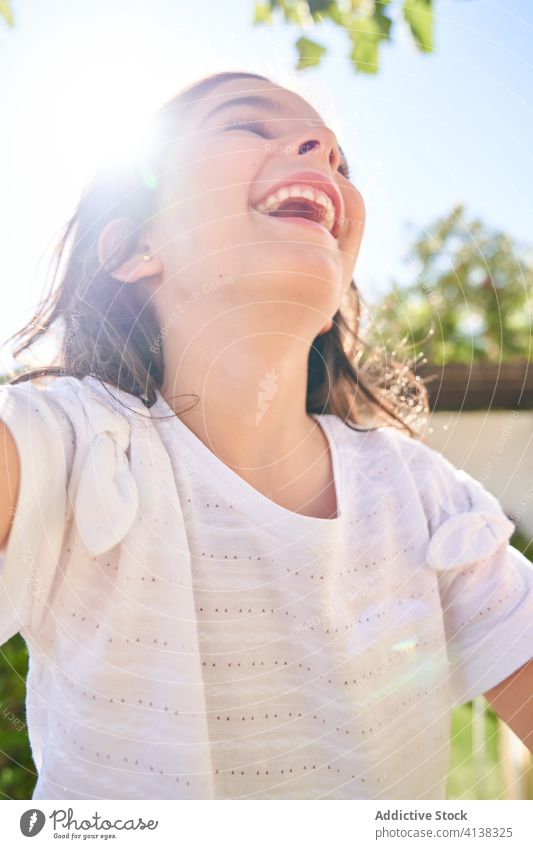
251	410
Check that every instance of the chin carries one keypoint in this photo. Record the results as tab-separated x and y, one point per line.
303	256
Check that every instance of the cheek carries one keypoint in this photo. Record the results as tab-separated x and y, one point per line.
204	210
355	206
355	218
211	193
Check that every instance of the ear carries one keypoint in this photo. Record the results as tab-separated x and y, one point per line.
136	267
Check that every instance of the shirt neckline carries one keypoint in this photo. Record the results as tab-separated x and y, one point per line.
247	494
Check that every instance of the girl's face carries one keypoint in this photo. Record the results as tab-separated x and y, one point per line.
217	248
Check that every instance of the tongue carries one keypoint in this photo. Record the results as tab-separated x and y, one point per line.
298	209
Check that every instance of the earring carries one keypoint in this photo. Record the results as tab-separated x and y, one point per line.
147	257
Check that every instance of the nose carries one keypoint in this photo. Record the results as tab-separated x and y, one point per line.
320	142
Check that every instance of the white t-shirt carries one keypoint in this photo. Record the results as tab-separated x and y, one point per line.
190	638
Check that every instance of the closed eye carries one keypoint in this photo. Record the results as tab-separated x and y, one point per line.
261	128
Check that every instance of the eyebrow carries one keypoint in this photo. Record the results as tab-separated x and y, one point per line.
260	101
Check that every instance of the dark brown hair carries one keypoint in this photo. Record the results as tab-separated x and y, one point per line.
110	331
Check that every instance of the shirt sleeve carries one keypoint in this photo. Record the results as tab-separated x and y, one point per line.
485	585
44	439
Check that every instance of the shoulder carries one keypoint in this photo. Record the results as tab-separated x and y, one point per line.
68	414
36	419
391	447
73	399
445	492
429	469
467	522
103	418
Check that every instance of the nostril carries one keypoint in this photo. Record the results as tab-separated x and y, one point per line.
308	145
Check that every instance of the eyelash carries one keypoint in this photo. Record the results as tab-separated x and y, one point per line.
250	121
264	129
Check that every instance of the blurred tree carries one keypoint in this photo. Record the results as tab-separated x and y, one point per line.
367	24
472	298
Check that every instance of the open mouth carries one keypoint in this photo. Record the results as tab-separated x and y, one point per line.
301	209
303	204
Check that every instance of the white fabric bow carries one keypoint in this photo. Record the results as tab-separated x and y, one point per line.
467	537
107	497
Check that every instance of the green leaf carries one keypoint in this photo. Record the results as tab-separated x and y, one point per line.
419	17
309	53
365	51
262	13
318	5
337	15
320	9
6	12
383	21
295	12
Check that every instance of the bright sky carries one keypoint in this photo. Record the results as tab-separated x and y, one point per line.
427	132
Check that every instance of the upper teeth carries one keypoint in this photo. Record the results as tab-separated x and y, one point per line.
274	201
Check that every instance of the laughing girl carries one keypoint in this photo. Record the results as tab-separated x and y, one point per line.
239	571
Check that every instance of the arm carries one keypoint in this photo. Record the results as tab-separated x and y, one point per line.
9	481
35	447
512	699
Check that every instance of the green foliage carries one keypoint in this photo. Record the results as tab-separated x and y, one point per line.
366	37
474	774
309	52
6	12
17	770
523	543
367	24
262	13
471	300
419	16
